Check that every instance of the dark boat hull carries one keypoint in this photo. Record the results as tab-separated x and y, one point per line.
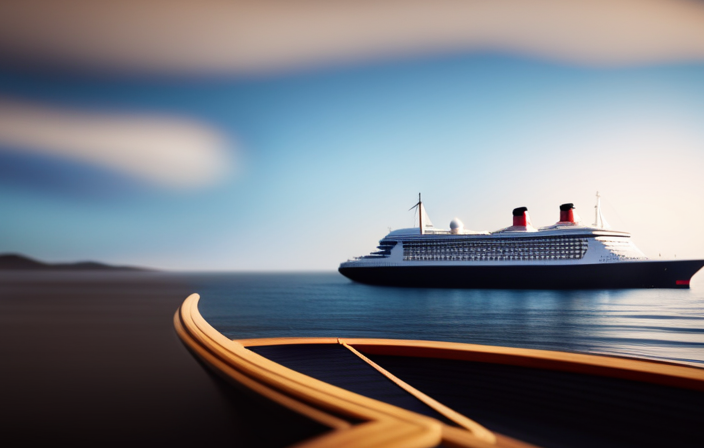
641	274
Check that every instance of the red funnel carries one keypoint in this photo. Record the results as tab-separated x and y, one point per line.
520	217
566	213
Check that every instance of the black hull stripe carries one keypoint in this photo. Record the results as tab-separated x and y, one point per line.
650	274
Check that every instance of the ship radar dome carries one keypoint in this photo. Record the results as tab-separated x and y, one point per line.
456	226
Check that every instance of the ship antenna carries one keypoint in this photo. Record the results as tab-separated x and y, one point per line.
596	211
419	205
420	214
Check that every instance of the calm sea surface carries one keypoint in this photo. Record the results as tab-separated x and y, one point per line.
654	323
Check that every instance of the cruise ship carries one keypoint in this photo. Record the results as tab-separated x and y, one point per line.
565	255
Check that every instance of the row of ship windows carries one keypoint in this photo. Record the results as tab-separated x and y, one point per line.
520	257
491	252
538	249
495	250
541	244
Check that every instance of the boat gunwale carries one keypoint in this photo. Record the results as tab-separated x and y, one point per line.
635	369
382	424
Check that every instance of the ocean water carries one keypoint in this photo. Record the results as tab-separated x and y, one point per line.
663	324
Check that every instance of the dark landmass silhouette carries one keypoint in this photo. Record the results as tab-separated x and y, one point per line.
22	262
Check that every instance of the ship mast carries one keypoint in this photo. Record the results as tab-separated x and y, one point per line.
599	220
596	210
419	206
420	214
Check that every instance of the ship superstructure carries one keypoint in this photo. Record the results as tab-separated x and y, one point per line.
566	254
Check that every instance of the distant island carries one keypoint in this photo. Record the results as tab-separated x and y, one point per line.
21	262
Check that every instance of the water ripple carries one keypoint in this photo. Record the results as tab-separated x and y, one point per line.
658	324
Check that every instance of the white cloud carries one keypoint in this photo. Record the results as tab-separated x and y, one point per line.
253	36
163	150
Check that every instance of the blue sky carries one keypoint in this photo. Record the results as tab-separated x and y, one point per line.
323	161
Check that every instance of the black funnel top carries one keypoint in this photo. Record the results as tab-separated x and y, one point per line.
565	207
519	211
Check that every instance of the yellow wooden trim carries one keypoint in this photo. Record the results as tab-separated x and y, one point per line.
459	438
669	374
508	442
232	374
451	436
288	380
692	375
386	425
284	341
384	432
473	427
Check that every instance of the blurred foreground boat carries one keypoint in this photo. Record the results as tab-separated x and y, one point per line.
400	393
